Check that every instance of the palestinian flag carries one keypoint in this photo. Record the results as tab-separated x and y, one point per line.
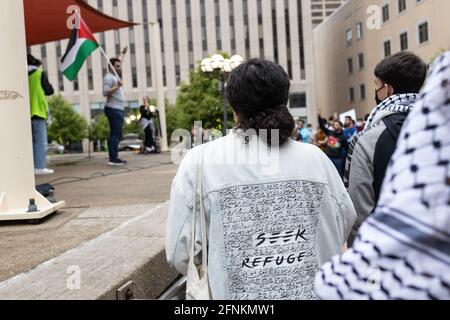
81	44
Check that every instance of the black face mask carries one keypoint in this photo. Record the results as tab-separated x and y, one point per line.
377	99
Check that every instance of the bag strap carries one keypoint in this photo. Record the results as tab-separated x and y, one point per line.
198	191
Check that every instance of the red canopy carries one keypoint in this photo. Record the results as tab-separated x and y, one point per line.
45	20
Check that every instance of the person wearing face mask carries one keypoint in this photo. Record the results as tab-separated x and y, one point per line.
398	80
402	251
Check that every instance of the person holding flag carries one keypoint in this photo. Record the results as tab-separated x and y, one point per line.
114	108
81	45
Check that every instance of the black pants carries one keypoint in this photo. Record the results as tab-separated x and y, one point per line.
115	118
149	140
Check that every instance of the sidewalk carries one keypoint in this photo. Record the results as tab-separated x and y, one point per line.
98	199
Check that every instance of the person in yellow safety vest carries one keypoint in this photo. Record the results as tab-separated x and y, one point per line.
39	87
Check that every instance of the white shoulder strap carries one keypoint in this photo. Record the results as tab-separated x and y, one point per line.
198	191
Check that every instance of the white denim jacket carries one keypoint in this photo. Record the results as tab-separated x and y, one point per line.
274	216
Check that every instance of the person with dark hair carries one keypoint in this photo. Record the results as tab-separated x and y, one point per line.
402	250
303	133
349	128
148	114
114	108
398	79
337	145
39	87
275	209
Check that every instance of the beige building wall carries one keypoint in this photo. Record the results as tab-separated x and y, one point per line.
321	9
331	52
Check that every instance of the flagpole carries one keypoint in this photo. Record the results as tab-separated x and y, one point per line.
109	62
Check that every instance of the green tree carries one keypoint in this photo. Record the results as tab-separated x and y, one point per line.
66	126
99	128
200	100
133	125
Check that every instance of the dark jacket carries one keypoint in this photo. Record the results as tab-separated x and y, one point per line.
147	114
337	147
384	149
370	160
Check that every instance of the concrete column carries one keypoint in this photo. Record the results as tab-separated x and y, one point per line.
17	182
211	26
183	40
158	80
125	41
196	31
153	17
253	26
225	26
84	100
239	27
295	40
140	49
168	46
268	31
281	36
109	35
309	61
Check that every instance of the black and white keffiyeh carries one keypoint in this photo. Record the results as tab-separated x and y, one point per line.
403	250
399	103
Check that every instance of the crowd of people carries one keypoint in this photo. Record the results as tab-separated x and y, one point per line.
332	136
299	232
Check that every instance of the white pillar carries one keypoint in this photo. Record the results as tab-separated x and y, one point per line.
17	182
309	63
158	80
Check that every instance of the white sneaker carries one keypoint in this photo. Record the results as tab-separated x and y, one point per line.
43	172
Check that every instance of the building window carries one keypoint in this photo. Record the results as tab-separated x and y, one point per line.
349	37
350	65
423	33
385	13
362	91
351	94
361	61
387	48
297	100
401	6
404	41
359	31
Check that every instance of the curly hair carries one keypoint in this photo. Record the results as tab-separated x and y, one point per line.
258	91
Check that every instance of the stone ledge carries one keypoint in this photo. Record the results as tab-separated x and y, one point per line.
133	252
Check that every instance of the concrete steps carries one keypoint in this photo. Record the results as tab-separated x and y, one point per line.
95	270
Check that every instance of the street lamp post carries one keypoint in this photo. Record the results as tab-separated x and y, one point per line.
218	63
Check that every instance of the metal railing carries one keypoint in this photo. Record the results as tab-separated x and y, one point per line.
176	291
